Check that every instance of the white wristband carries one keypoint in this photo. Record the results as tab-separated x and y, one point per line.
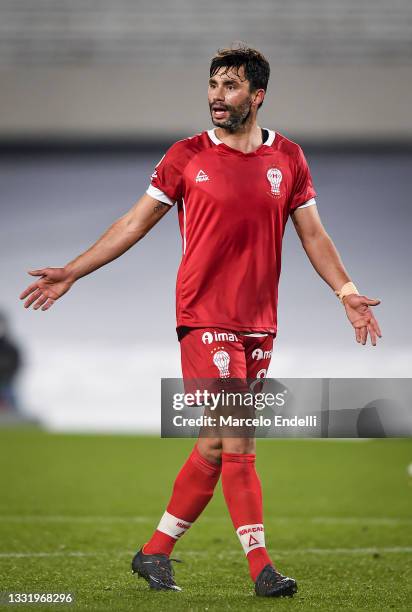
347	289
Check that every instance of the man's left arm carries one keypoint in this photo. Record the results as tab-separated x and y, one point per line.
325	259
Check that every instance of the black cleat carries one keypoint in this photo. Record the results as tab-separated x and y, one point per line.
270	583
156	570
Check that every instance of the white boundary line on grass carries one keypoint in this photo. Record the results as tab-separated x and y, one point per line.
72	519
321	551
346	520
49	554
199	553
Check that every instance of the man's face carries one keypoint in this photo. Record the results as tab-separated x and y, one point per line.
230	99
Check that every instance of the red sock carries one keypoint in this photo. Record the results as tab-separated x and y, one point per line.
243	495
192	491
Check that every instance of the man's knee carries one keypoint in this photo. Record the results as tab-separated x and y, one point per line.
210	449
241	446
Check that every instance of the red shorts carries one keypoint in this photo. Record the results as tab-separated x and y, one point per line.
218	353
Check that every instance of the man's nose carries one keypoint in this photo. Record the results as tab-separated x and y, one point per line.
218	94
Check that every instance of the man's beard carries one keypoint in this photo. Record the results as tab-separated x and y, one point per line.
238	116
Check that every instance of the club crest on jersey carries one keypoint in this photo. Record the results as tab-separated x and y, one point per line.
209	337
201	177
274	176
221	359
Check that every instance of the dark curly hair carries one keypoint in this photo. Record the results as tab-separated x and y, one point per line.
255	65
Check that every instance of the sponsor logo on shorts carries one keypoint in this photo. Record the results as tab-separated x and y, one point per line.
209	337
260	354
262	373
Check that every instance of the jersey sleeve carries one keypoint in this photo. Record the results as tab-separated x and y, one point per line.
303	192
167	179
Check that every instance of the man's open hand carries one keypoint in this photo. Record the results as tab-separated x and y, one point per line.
52	284
360	315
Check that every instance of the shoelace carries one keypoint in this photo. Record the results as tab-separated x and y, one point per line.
164	569
267	580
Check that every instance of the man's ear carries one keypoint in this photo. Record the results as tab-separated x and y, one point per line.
259	97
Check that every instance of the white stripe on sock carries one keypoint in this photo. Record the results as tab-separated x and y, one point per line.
251	537
173	526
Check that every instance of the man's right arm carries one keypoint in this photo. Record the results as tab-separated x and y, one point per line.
118	238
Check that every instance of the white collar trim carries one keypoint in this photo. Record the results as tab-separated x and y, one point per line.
213	137
269	142
271	138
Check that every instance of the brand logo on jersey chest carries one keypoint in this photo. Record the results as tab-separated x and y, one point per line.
201	177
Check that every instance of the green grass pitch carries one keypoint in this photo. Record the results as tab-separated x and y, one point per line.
74	508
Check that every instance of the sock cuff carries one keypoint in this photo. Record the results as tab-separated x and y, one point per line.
238	457
251	536
173	526
203	464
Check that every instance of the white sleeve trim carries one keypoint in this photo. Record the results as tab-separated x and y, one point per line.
310	202
158	194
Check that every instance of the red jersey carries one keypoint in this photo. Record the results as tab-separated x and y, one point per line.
232	208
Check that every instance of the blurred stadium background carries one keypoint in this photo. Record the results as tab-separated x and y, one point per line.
93	92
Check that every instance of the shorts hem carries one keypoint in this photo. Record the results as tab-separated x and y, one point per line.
181	327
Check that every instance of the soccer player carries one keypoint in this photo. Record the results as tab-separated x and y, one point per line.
235	186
